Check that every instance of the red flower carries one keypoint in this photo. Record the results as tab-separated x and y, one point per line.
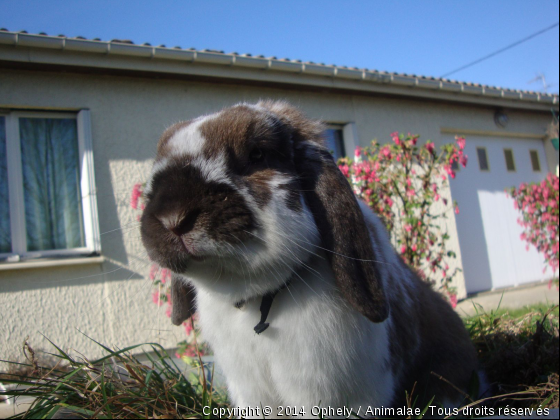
156	298
153	271
136	193
386	152
453	300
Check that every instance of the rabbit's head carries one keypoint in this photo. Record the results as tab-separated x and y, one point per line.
239	200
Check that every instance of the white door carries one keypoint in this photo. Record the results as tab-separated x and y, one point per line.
494	256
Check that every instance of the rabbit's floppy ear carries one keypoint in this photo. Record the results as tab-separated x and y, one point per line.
343	230
336	212
182	300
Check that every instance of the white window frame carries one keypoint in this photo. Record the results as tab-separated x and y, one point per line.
350	138
16	194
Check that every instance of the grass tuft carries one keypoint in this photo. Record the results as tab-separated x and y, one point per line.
518	350
115	386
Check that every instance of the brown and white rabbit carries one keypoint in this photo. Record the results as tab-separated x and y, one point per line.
260	228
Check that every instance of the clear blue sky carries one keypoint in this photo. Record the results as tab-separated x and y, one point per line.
425	37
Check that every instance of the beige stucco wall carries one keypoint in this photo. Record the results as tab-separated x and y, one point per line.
128	114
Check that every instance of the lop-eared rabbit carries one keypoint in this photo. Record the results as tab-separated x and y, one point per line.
299	291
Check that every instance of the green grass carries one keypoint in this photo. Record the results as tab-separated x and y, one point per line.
115	386
541	308
518	350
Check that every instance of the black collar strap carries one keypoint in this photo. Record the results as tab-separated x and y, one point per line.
266	303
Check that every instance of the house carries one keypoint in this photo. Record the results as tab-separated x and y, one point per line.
92	112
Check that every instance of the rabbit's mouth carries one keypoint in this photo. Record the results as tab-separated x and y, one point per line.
190	248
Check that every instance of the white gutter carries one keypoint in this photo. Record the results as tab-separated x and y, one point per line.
317	75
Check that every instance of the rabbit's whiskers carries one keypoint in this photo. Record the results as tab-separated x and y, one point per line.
301	263
295	242
331	251
122	228
295	258
245	261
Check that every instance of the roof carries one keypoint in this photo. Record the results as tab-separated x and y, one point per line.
328	75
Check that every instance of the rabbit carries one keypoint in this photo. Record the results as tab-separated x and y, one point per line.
298	289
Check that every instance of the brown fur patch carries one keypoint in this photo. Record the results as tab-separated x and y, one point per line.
259	187
183	298
233	130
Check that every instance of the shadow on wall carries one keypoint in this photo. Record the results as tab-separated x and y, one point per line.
494	256
510	260
474	247
71	276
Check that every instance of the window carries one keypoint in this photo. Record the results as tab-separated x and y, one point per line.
510	162
47	198
482	159
335	141
535	162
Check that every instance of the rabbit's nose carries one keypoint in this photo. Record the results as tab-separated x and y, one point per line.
186	224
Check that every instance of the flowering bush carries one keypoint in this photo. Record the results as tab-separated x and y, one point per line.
401	182
161	278
538	203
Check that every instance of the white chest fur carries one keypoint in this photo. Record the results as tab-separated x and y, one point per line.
316	351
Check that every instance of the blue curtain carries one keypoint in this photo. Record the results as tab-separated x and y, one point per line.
51	183
5	230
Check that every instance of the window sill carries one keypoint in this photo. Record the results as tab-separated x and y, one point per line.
62	262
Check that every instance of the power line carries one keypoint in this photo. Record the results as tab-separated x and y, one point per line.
502	50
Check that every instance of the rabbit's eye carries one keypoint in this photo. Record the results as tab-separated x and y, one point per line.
256	155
